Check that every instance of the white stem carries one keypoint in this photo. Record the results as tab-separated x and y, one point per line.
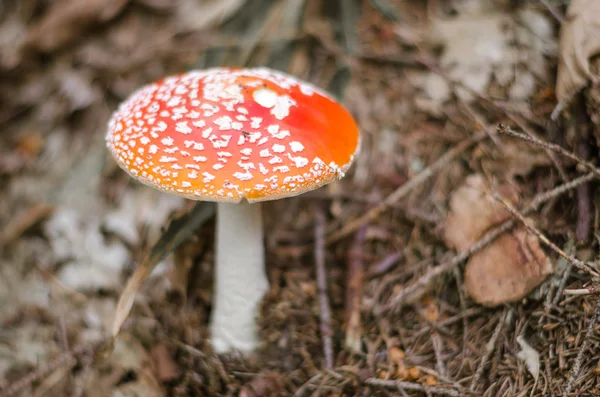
240	278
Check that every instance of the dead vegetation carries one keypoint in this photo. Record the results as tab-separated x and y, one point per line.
369	293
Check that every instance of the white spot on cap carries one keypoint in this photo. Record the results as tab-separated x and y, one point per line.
265	97
296	146
168	141
282	107
224	123
278	148
206	133
207	177
182	127
264	153
256	121
167	159
243	176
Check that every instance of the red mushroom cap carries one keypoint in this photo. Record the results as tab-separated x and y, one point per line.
227	134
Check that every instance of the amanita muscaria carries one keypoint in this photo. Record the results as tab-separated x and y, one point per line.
237	137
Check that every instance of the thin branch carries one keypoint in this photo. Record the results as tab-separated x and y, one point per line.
574	261
594	289
489	349
65	359
555	13
420	287
403	191
384	265
410	386
584	204
437	343
584	346
322	288
354	290
506	130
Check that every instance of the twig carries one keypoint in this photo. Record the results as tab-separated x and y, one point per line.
489	349
584	346
354	289
307	384
322	287
574	261
564	277
402	385
24	221
384	265
437	343
463	308
64	359
584	204
551	154
555	13
506	130
420	286
594	289
406	188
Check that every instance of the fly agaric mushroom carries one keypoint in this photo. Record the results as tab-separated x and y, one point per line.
237	137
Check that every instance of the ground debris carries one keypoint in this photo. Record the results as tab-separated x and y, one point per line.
429	83
579	43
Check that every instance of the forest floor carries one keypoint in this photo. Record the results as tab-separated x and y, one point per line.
454	101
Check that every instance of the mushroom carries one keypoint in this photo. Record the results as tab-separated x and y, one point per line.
237	137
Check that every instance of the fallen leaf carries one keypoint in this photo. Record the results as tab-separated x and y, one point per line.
530	356
473	210
579	42
482	46
178	231
507	270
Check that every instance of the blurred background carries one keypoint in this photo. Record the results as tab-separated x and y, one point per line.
428	82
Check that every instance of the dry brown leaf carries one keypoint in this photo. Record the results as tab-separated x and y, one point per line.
66	21
507	270
473	210
579	42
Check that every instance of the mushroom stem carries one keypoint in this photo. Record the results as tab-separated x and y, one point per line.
240	278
